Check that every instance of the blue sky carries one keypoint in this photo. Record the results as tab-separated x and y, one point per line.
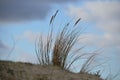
21	21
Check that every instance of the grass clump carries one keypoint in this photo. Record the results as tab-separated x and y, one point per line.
58	50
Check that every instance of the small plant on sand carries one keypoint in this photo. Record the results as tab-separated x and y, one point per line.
58	50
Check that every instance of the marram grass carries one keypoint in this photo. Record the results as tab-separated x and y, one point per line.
57	50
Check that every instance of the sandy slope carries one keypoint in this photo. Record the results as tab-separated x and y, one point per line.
27	71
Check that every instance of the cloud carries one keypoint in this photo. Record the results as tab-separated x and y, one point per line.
3	46
3	49
30	36
105	16
22	10
78	12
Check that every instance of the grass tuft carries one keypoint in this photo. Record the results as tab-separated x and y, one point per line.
57	50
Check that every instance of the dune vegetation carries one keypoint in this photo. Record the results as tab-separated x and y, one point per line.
56	55
57	50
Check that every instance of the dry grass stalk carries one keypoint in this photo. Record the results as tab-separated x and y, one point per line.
53	17
86	66
61	46
77	21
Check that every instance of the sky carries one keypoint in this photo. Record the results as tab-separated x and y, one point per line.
21	21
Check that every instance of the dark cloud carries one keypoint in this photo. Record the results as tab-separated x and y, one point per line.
22	10
17	10
61	1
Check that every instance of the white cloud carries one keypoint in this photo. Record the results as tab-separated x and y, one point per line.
106	40
31	36
28	35
106	17
96	10
104	10
78	12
